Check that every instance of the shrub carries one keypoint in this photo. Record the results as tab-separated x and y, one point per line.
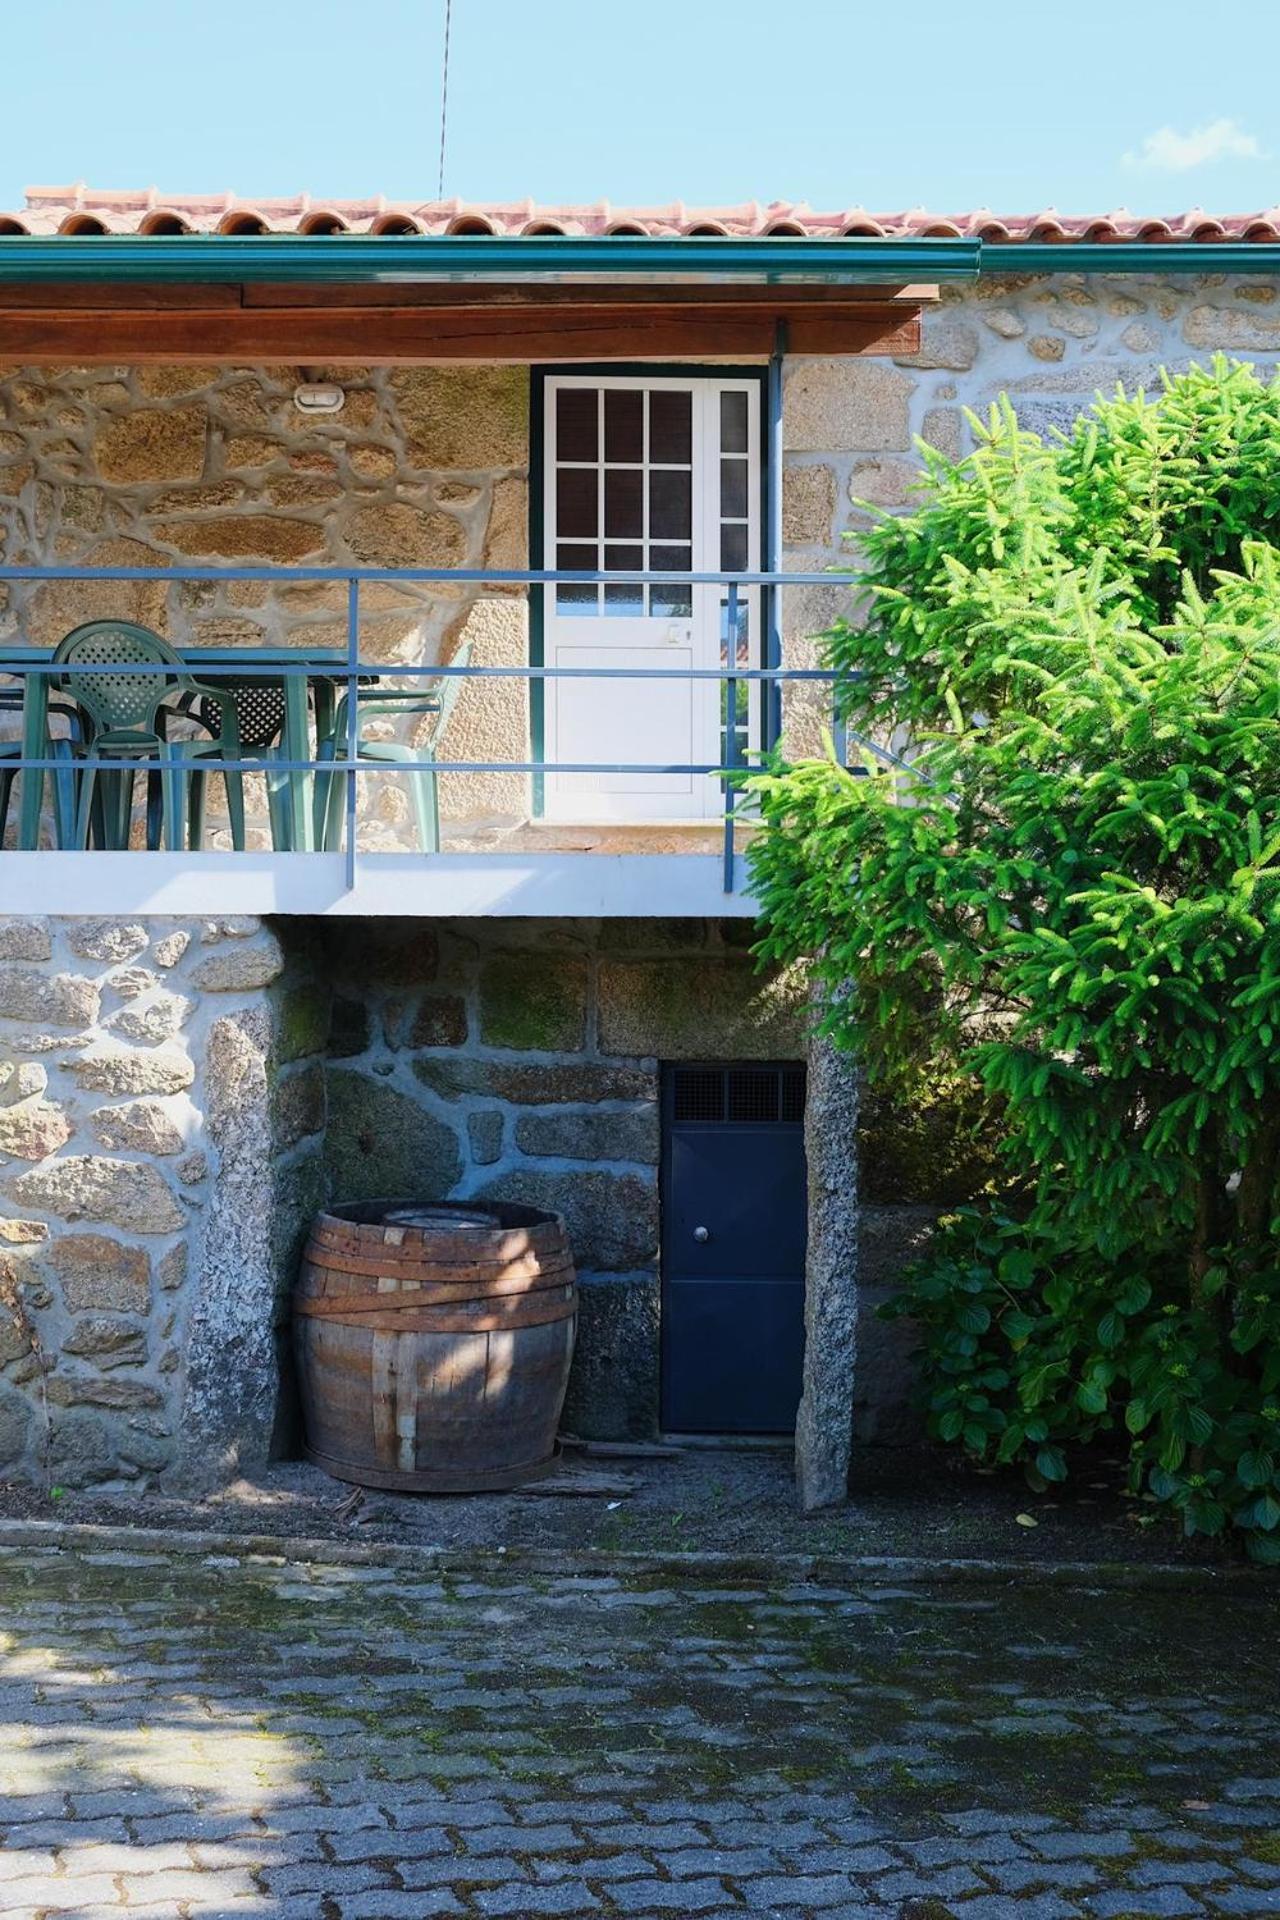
1067	888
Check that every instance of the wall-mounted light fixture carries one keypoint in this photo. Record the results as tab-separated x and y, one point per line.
320	397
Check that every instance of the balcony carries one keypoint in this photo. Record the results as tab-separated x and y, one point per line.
411	743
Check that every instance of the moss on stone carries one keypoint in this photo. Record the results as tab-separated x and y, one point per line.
381	1145
533	1003
440	1020
302	1021
701	1008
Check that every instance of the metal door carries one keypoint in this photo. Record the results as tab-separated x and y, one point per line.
734	1219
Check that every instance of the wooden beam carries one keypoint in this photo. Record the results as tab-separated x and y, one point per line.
106	296
552	293
399	336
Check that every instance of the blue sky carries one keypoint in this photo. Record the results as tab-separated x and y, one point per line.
840	102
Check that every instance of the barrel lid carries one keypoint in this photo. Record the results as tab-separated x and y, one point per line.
455	1217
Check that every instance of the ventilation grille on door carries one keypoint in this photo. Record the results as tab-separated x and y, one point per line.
741	1095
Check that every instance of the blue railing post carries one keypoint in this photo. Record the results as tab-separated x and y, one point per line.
771	597
352	742
334	667
731	736
839	731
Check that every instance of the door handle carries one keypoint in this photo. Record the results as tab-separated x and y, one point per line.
701	1235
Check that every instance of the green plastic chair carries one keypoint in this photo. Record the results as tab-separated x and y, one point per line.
128	711
423	786
260	717
65	777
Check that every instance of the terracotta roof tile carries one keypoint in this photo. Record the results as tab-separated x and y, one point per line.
82	209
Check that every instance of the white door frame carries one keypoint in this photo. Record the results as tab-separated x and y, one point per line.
670	721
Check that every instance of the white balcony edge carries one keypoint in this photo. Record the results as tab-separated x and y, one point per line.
459	885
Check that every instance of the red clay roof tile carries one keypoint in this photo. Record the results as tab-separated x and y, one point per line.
82	209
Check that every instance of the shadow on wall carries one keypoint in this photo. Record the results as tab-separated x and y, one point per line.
518	1060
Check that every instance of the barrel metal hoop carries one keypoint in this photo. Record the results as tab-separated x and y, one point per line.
416	1318
460	1278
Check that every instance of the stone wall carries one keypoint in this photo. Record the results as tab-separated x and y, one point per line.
177	1097
179	466
160	1124
518	1060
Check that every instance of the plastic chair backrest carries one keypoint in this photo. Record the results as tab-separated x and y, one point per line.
259	709
119	702
450	688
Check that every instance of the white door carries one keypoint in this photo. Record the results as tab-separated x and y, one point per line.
651	475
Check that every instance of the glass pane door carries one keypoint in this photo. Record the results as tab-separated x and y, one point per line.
623	497
646	475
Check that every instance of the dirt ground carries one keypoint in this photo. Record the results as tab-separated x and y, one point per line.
923	1505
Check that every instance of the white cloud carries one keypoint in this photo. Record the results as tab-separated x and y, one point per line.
1169	152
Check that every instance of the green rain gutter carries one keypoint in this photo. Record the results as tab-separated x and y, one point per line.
772	260
1138	256
287	260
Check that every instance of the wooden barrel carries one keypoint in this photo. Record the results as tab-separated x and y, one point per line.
433	1343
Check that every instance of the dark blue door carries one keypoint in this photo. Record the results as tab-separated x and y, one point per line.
733	1247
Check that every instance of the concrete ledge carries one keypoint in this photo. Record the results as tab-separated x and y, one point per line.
570	885
766	1570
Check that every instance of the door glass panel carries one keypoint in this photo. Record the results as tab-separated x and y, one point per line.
577	417
740	704
733	549
733	489
735	647
673	602
671	427
576	596
625	597
670	504
735	651
733	423
577	509
624	476
623	503
624	424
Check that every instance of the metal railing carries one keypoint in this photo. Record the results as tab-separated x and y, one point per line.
349	671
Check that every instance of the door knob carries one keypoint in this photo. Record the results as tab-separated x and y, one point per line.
701	1235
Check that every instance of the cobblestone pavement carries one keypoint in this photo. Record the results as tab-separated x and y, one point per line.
241	1735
